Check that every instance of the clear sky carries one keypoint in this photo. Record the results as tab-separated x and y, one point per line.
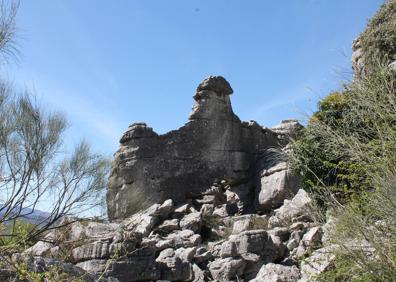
106	64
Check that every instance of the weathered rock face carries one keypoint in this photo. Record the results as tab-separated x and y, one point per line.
214	144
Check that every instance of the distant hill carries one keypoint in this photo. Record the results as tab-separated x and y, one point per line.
31	216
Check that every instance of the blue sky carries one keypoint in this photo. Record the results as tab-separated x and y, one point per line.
106	64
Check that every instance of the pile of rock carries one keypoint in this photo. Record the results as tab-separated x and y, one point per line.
201	240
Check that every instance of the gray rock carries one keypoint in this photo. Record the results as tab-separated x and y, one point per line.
393	66
228	249
253	262
294	240
168	225
287	130
140	224
186	254
39	249
202	255
184	238
281	232
95	250
180	211
94	265
213	144
207	210
191	221
217	84
257	242
328	228
276	182
275	188
311	240
172	267
221	211
249	222
319	261
226	269
198	274
39	265
277	273
166	208
139	266
291	210
73	230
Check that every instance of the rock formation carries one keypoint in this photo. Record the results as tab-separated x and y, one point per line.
196	241
213	145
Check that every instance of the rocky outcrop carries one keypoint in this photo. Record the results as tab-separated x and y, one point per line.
189	242
214	144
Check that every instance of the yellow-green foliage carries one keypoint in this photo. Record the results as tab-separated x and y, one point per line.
15	236
54	274
331	109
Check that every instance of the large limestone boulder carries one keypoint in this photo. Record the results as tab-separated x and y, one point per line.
275	181
214	144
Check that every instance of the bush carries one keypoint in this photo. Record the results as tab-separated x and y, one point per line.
367	240
14	236
378	41
349	139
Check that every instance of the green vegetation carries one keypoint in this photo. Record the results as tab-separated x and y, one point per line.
36	167
347	158
378	41
14	236
349	139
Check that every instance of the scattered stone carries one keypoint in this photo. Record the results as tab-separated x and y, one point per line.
140	224
282	232
277	273
319	261
198	274
290	210
249	222
257	242
311	240
180	211
228	249
191	221
202	255
95	250
226	269
165	209
39	249
168	225
172	267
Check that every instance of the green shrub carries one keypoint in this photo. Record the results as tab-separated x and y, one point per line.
15	236
349	138
367	240
378	41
